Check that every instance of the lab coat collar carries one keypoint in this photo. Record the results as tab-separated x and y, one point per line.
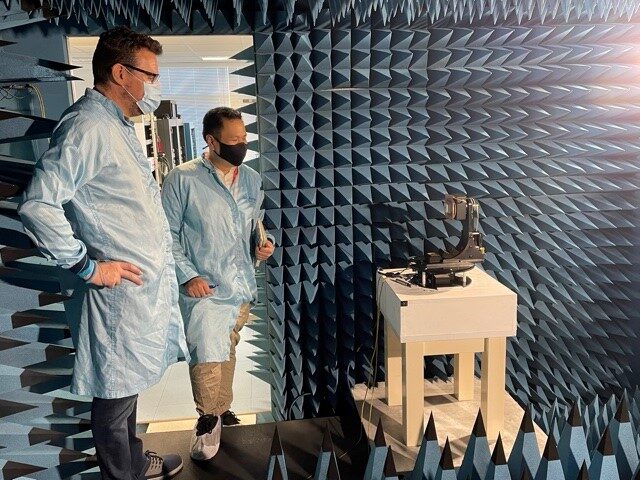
207	163
109	104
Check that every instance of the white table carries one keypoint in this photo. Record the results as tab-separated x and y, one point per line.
451	320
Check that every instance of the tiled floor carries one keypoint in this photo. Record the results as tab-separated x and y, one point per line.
171	399
177	425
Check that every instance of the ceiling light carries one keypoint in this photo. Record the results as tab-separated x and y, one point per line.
214	59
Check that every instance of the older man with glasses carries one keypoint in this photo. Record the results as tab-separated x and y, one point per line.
94	208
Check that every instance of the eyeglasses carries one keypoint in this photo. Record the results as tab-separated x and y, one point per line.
154	76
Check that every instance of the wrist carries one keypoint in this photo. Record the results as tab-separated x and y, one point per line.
89	270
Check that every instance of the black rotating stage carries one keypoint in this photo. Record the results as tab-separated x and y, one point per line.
245	449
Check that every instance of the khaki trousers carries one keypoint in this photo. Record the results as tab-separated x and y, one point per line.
212	382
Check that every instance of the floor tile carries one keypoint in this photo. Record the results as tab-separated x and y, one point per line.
175	412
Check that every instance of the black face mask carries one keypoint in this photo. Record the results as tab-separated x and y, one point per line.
234	154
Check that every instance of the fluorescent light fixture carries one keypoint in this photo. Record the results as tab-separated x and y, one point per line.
214	59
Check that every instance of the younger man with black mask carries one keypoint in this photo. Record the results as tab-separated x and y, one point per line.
213	205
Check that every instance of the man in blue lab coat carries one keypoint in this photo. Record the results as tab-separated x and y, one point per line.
94	208
213	205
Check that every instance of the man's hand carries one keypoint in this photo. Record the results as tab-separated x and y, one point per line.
263	253
111	274
198	287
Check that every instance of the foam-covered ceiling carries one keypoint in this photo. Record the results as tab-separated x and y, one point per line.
237	14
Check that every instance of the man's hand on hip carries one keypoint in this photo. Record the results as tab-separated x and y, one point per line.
263	253
198	287
111	274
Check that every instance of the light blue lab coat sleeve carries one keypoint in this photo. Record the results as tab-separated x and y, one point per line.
175	211
62	171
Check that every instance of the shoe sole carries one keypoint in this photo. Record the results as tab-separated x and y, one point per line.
175	471
203	459
170	474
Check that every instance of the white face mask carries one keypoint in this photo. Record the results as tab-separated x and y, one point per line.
150	101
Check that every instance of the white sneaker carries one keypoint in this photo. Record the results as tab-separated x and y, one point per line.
205	440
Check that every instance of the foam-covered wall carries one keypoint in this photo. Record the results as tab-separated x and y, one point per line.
363	132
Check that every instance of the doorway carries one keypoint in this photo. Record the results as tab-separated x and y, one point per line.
197	73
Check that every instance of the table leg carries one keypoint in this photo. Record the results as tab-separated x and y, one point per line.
413	392
393	365
493	379
463	375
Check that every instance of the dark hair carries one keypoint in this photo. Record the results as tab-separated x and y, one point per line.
119	45
212	121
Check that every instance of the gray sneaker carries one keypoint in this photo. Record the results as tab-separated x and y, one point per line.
167	466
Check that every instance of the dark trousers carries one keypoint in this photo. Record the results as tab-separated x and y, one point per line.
119	450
